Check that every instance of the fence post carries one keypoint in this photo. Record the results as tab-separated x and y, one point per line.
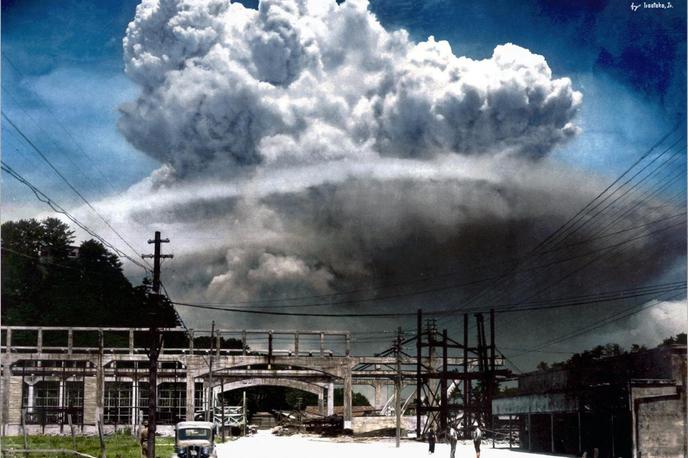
71	429
102	440
26	437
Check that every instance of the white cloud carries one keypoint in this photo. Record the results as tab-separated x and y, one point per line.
312	81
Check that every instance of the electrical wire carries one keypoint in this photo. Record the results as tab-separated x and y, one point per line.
41	196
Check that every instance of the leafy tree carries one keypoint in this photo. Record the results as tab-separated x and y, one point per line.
679	339
542	366
357	399
42	285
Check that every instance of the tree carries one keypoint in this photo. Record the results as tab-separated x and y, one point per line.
43	285
542	366
678	339
357	399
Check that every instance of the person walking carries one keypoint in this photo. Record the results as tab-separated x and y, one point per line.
453	437
477	437
431	441
143	439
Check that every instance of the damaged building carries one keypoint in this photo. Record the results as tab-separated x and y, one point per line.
629	405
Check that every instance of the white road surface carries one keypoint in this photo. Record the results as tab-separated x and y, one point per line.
266	445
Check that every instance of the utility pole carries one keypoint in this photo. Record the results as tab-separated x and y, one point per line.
210	414
397	387
155	342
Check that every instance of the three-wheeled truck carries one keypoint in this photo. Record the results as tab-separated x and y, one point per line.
195	439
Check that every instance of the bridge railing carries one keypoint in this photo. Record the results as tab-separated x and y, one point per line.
133	341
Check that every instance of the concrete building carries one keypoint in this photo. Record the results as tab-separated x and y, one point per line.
630	405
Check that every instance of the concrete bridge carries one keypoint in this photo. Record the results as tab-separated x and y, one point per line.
101	374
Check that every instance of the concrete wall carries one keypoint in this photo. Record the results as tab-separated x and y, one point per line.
90	415
363	425
660	427
14	414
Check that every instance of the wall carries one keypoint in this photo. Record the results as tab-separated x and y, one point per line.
364	425
660	426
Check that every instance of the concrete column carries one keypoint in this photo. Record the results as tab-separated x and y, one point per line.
134	405
530	433
70	340
321	406
100	380
39	341
380	394
322	344
131	341
330	399
296	343
190	392
29	402
348	413
60	394
7	373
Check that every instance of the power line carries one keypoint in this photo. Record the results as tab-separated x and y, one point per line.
62	126
605	321
617	295
76	191
591	206
41	196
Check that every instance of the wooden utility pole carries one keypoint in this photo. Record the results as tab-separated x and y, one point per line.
155	341
397	387
210	414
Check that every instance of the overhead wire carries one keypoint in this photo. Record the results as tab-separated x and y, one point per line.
69	184
43	197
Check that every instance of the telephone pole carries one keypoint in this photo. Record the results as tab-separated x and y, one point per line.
155	341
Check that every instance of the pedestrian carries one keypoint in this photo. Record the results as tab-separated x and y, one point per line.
453	437
477	437
143	439
431	441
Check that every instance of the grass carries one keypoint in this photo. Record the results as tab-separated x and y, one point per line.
116	446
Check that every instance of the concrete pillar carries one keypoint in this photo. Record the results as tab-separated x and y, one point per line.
60	394
7	373
330	399
380	394
530	433
190	392
29	401
296	343
90	404
70	341
322	344
131	341
134	405
100	379
348	413
321	406
39	341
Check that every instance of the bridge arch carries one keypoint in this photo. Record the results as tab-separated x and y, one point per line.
317	389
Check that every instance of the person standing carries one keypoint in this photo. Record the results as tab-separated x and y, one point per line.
431	441
143	439
477	437
453	437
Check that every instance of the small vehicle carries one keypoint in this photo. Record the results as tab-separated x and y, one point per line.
194	439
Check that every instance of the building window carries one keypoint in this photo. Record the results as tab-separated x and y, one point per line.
198	397
172	402
42	402
118	403
74	402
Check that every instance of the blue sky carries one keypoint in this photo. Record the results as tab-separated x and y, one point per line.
63	67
